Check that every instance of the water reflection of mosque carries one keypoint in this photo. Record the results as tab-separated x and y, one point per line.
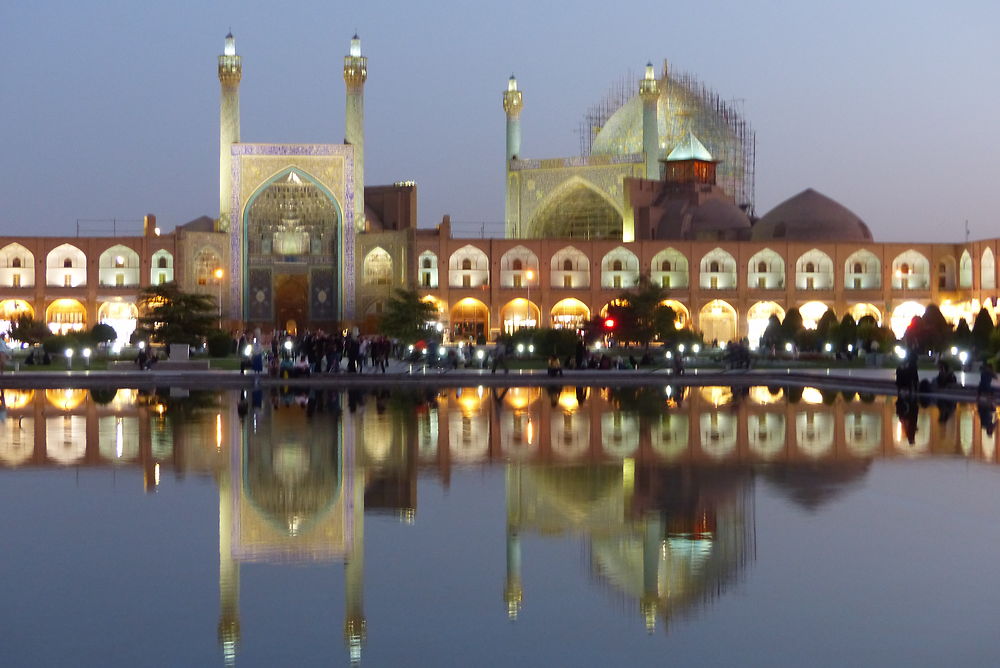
659	482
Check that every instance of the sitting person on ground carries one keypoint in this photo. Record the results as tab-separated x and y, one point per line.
945	377
555	366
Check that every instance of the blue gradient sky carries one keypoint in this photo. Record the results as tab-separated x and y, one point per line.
110	108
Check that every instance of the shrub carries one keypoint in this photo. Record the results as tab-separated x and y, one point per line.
220	344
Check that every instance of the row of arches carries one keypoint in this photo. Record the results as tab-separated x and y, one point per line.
569	267
66	266
470	318
63	316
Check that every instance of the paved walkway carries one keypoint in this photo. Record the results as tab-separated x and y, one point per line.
402	374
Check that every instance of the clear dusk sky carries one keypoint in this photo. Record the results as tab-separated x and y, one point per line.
110	109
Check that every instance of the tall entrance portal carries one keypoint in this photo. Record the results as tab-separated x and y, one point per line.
293	237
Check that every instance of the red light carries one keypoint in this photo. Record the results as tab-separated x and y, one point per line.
609	323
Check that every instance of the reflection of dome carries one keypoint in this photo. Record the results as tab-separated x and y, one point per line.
810	216
811	486
292	483
702	540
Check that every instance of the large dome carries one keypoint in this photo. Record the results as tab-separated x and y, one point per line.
810	216
685	105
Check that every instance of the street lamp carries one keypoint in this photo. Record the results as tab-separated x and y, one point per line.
218	279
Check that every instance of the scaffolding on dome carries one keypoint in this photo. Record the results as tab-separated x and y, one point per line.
720	126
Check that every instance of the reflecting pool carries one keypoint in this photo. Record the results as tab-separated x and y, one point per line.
477	526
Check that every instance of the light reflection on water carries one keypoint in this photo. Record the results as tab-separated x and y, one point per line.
659	484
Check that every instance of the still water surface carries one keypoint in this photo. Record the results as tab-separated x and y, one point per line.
475	527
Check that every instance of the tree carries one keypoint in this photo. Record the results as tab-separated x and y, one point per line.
168	315
29	330
406	316
935	332
982	329
102	332
772	337
640	314
792	325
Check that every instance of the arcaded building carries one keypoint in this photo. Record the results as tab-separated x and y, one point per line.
663	188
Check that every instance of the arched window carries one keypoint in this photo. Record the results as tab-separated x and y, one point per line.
162	263
762	267
857	268
16	262
427	263
810	268
616	265
567	265
466	264
378	267
665	266
67	262
516	265
713	266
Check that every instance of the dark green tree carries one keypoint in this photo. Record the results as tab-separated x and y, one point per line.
826	328
169	315
102	332
640	315
791	325
982	329
963	335
406	316
772	336
937	331
847	332
29	330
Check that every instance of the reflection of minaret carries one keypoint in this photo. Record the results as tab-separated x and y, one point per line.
355	625
512	591
355	75
651	543
230	73
229	574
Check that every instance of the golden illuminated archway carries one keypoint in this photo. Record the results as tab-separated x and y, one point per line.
718	321
519	314
859	311
758	317
470	319
903	315
569	314
683	316
66	315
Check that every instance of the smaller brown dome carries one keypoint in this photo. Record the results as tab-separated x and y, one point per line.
718	218
810	216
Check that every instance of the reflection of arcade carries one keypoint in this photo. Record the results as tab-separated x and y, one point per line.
673	425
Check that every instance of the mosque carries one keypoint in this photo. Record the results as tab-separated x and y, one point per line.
663	188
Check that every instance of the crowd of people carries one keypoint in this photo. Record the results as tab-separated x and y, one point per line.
294	356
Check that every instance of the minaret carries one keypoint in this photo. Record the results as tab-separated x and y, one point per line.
355	75
649	91
512	103
230	73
